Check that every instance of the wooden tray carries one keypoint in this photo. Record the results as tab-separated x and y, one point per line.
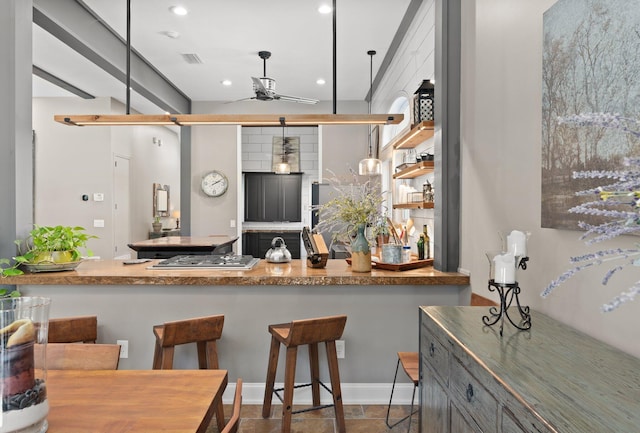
414	264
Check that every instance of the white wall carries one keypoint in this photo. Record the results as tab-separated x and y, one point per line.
501	147
73	161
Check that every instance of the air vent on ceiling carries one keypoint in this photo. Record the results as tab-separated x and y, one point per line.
192	58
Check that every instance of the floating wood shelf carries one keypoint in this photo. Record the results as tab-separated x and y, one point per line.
419	133
228	119
420	205
419	169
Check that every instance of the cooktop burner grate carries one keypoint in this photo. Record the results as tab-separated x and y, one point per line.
225	261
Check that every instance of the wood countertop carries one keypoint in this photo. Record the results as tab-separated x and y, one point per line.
337	272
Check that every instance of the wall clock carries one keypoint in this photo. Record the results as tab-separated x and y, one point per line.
214	183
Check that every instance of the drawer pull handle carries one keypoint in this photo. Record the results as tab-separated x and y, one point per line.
432	349
469	393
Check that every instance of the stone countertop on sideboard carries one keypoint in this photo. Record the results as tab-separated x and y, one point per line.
337	272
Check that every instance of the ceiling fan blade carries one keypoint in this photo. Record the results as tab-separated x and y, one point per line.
239	100
258	86
295	99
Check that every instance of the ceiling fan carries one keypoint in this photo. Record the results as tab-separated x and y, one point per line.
265	87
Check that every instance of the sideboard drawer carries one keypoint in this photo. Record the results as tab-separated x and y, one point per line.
436	355
474	397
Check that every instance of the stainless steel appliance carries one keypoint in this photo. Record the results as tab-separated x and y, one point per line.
226	261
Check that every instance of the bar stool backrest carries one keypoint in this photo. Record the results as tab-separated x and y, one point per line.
192	330
316	330
79	329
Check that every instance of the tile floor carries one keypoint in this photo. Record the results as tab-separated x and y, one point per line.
358	419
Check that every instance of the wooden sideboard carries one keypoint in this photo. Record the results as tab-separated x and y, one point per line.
551	378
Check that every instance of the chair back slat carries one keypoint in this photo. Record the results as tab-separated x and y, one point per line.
70	356
80	329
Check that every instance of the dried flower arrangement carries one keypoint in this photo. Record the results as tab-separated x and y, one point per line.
618	201
354	204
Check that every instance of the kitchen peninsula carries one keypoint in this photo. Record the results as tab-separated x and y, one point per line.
382	308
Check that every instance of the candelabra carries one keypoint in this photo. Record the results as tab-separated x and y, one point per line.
502	279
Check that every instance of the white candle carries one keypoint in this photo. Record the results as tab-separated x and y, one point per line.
517	243
504	268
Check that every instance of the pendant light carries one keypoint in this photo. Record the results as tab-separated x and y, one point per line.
371	165
283	166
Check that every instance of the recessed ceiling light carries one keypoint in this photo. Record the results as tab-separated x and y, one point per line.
171	34
226	82
324	9
179	10
321	82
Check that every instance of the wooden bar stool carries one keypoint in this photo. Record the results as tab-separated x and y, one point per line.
79	329
294	334
409	362
204	331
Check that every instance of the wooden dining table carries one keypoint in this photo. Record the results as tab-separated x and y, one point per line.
133	401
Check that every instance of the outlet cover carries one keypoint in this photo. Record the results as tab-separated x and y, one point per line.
124	348
340	348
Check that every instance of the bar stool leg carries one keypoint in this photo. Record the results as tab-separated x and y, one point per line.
315	373
166	356
289	383
207	355
157	356
208	359
271	377
332	360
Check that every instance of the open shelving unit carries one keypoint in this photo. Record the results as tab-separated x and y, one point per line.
415	170
409	140
419	133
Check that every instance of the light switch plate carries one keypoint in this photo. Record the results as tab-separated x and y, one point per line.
98	196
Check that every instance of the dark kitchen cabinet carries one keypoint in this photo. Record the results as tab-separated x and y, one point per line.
258	243
272	197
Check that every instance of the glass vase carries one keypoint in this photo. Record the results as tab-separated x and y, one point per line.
360	252
24	322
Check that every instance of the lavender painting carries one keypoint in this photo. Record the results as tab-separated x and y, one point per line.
591	67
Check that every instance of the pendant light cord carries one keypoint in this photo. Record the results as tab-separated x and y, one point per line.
335	73
128	81
371	53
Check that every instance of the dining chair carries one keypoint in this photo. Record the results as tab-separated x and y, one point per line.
234	421
70	356
78	329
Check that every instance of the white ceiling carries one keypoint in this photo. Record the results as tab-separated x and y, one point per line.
227	37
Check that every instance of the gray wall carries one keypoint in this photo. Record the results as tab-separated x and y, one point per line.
501	154
219	147
382	320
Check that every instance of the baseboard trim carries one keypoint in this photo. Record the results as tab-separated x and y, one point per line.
352	393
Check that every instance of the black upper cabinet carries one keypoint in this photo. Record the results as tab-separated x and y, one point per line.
272	197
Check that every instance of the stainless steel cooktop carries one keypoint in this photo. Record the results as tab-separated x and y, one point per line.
225	261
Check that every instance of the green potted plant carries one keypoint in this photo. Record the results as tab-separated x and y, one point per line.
52	245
